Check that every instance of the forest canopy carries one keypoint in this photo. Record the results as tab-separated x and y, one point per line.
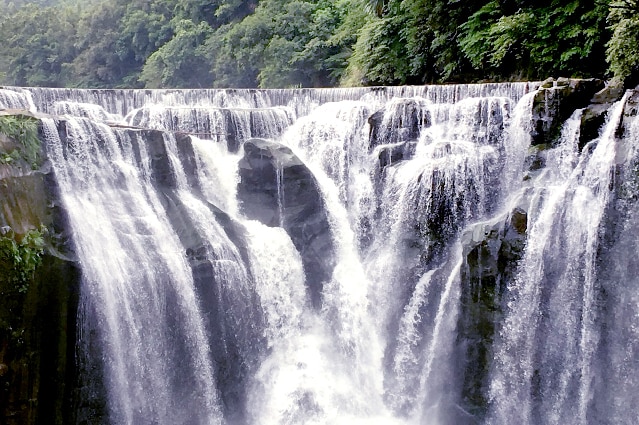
319	43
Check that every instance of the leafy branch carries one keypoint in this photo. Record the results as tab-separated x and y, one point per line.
24	130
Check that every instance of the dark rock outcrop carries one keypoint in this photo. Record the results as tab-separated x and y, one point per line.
594	115
392	154
491	253
279	190
230	308
555	101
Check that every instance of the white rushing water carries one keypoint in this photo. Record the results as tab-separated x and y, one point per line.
552	355
136	278
16	99
203	314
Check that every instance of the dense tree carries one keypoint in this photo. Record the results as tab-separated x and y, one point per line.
37	45
291	43
623	47
538	39
411	41
185	58
283	43
102	62
181	62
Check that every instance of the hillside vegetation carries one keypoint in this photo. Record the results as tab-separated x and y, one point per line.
299	43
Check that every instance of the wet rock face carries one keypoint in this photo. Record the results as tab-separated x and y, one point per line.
594	115
37	322
277	189
491	253
555	101
400	122
232	318
392	154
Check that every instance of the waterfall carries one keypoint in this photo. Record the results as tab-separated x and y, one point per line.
387	255
545	365
138	285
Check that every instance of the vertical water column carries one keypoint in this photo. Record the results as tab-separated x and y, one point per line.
287	385
616	384
427	200
137	284
546	354
349	380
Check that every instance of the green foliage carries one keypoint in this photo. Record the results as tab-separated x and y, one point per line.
11	157
559	38
22	129
182	61
103	61
37	43
488	45
623	47
423	43
299	43
236	51
379	54
20	259
284	43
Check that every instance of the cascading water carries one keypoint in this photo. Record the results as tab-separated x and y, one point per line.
11	99
138	287
546	357
310	256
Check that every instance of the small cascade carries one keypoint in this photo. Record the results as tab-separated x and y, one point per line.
335	138
217	174
409	164
228	125
517	138
87	110
16	99
302	101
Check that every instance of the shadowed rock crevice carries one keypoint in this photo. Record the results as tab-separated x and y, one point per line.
555	101
277	189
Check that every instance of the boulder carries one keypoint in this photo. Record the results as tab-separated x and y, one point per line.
594	115
630	114
277	189
392	154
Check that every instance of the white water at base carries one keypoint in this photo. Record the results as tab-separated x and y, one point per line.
383	346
